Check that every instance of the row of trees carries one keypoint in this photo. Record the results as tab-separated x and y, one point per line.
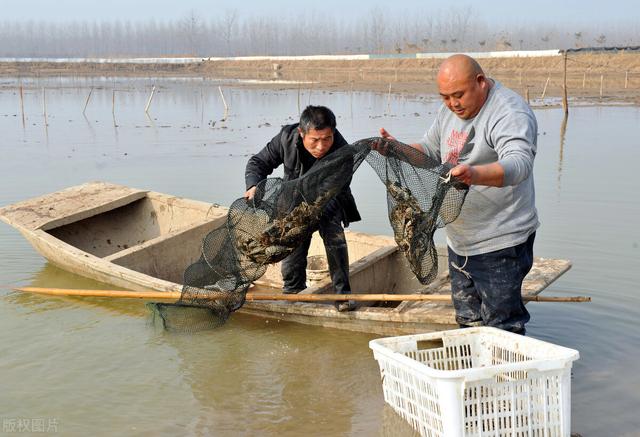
230	34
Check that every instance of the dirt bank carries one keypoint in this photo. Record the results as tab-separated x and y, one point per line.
602	78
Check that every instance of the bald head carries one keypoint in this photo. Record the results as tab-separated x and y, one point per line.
462	85
461	66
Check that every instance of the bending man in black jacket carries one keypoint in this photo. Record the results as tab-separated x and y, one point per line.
299	146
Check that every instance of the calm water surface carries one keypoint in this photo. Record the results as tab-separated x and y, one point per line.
94	366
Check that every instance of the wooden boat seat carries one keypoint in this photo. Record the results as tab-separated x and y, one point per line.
68	206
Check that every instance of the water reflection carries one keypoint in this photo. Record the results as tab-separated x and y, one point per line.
253	379
50	276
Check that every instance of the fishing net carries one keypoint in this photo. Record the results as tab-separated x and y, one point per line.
282	214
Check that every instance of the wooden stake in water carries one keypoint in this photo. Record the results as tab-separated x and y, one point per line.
153	91
526	95
389	100
44	114
601	84
351	100
224	102
565	102
544	90
44	104
201	107
22	105
113	102
626	79
87	101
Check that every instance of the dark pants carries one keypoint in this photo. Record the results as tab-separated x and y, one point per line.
491	296
294	266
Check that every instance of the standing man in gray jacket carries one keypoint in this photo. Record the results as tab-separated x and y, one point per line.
489	133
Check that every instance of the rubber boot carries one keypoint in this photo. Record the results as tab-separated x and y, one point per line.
338	260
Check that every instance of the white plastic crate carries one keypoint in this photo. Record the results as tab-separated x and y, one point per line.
481	382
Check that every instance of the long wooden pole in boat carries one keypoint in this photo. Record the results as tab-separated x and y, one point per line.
175	295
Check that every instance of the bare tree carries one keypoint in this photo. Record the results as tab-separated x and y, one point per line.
460	23
377	24
192	29
229	25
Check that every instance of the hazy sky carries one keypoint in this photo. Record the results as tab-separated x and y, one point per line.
498	11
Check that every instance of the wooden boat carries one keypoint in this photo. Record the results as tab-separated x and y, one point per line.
143	240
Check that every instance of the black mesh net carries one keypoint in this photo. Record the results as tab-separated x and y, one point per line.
421	197
264	230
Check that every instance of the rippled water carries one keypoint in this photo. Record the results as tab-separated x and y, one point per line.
95	366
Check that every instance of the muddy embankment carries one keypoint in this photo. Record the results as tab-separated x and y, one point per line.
604	78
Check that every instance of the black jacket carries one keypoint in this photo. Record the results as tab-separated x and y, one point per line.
287	148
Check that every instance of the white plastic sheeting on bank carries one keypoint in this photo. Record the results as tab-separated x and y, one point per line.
479	55
109	60
505	54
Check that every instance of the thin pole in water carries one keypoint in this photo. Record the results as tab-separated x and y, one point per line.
601	84
626	79
565	102
146	108
351	100
544	90
87	101
44	104
224	102
44	113
201	107
22	105
113	110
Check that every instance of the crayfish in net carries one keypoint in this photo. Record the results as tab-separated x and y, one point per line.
410	225
284	234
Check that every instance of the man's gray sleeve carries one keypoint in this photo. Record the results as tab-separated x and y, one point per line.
514	137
